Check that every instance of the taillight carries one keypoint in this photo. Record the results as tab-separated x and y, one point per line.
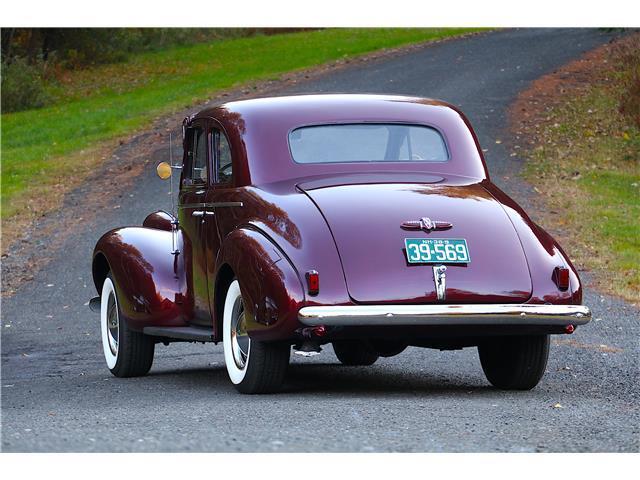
561	277
313	282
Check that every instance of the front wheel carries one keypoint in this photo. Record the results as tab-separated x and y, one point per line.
253	367
515	363
128	353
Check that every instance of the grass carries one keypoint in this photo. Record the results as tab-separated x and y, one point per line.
587	167
46	150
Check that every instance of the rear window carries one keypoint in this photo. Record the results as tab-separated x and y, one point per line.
367	142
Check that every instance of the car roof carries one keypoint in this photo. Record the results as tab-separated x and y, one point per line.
329	103
258	130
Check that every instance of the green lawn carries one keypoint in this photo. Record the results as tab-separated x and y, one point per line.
41	147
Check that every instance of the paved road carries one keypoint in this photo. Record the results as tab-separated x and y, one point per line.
57	394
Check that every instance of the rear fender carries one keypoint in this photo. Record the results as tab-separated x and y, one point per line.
271	287
149	280
543	255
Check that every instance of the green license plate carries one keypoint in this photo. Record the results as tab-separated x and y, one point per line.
437	250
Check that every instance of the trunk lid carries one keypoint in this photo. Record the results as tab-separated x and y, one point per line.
365	221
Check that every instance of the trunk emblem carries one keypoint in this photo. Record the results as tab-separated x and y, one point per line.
426	224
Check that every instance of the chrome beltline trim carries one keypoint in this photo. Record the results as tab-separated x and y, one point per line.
211	205
224	204
479	314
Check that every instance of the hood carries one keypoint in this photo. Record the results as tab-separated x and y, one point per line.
365	221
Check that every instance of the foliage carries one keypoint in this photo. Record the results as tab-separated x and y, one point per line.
81	47
628	59
22	86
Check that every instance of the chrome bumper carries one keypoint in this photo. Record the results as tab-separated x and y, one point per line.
380	315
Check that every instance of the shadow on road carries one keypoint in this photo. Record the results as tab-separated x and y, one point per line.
328	378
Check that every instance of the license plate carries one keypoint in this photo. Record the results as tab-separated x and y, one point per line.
437	250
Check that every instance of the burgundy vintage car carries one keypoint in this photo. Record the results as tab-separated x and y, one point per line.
364	221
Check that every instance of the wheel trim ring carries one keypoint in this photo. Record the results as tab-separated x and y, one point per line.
239	337
108	294
113	325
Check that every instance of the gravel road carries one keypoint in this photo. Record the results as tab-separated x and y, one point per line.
57	394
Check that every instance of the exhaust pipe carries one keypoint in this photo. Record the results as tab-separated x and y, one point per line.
310	347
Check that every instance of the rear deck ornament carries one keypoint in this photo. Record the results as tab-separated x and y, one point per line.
426	224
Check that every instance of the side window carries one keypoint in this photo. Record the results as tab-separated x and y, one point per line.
199	149
195	164
223	158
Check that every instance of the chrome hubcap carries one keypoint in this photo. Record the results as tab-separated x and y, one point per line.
113	325
240	341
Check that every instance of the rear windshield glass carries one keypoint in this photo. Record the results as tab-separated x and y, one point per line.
367	142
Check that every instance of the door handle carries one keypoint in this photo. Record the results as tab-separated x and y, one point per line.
201	213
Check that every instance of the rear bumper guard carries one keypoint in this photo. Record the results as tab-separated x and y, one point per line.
493	314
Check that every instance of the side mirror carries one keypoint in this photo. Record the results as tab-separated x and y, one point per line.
163	170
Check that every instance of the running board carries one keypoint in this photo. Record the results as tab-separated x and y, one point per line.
194	334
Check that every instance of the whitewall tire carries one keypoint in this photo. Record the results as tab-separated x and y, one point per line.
253	366
128	353
236	357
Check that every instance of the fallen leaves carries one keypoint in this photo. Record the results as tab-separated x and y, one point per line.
601	347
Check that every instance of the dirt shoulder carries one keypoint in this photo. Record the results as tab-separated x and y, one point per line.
583	160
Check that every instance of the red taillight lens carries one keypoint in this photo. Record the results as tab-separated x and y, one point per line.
561	277
313	282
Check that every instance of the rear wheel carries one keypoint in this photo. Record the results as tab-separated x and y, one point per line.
515	363
355	352
128	353
253	367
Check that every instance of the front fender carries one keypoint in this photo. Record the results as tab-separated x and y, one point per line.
161	220
270	285
149	280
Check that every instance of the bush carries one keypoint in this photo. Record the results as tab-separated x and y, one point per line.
630	102
22	86
628	57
